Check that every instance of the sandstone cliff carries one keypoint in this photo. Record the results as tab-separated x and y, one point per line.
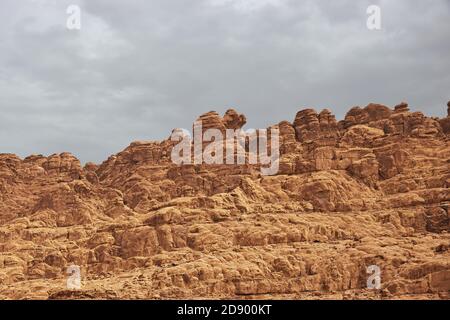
372	189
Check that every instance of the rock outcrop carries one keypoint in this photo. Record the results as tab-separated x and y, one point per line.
372	189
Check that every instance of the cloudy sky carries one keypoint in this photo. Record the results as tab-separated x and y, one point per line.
139	68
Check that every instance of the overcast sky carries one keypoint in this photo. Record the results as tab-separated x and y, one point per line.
139	68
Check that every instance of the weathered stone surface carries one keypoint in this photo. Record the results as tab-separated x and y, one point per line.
321	129
372	189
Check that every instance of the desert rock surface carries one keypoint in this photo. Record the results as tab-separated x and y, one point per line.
372	189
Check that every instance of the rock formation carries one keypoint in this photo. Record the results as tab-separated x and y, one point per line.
372	189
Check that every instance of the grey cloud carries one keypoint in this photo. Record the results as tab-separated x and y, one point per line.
139	68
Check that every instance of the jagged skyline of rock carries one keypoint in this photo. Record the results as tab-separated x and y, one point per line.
235	120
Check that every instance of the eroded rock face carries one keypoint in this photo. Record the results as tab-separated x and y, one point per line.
320	128
372	189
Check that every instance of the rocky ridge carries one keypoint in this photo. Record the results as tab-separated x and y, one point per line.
372	189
